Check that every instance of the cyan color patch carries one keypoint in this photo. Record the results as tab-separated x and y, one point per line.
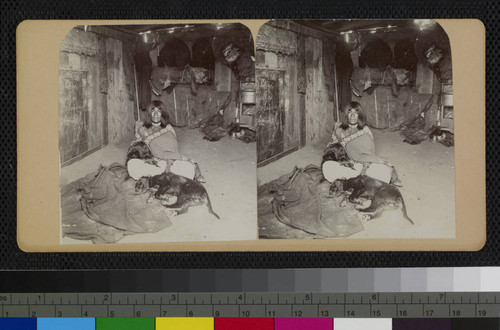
66	323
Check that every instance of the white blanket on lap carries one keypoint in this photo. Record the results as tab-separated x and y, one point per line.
333	170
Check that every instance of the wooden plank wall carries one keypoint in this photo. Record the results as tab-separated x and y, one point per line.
79	64
121	89
309	94
320	108
287	64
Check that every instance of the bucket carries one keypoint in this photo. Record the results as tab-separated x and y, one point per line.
447	100
248	97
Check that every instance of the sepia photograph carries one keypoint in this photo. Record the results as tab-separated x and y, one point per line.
157	137
355	130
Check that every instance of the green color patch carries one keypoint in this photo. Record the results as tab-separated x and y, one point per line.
125	323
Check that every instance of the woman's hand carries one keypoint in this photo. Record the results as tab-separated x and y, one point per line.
161	163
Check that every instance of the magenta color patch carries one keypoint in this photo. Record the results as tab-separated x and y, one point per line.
303	324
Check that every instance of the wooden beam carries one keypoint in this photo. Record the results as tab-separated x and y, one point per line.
115	34
303	29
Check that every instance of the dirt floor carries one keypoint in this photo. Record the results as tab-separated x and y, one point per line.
229	168
427	172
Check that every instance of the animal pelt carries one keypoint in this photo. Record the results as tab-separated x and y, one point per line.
383	196
442	136
168	185
213	127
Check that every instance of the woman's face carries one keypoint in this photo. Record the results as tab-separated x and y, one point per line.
155	115
352	116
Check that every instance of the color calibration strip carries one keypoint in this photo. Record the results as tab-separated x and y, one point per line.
246	324
453	279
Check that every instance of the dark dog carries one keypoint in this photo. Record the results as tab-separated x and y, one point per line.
383	196
140	150
337	153
188	192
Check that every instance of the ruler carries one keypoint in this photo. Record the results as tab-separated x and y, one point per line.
253	304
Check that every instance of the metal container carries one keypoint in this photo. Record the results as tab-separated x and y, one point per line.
248	97
447	100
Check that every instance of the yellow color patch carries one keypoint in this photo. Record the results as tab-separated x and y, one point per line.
184	323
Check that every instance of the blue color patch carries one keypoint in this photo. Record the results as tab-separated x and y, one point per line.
17	323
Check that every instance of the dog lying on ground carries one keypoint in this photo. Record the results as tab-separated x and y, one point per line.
383	196
176	192
337	153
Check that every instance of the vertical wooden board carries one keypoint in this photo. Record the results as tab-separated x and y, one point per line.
425	78
329	67
315	93
318	90
285	96
309	97
327	122
222	77
187	104
111	96
268	117
329	51
120	107
73	114
387	104
190	105
170	102
178	97
325	113
231	109
301	88
103	85
294	122
201	104
95	118
128	71
180	103
127	93
181	96
288	94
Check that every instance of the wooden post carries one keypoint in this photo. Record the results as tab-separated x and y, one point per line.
136	93
175	108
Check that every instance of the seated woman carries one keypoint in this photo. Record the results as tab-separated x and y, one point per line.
161	138
357	139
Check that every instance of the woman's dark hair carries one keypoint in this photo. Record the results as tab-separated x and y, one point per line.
361	115
164	115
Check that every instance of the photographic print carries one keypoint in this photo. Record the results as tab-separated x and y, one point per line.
156	133
355	129
262	135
